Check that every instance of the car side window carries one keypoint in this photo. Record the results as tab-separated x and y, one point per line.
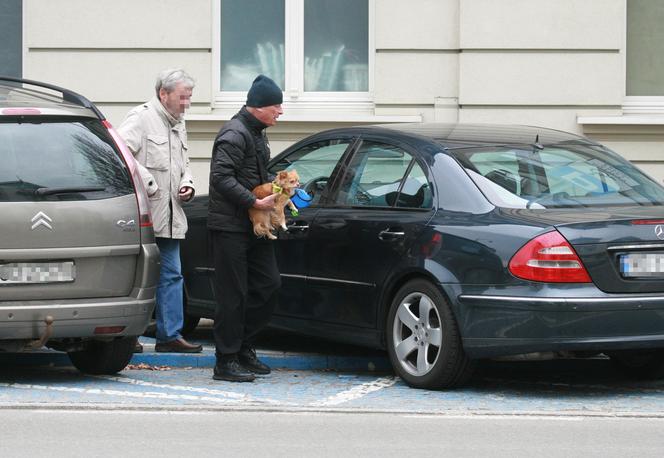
416	191
382	175
314	164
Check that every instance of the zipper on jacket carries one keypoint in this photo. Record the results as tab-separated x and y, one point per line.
170	182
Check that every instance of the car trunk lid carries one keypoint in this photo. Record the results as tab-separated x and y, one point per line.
66	250
622	249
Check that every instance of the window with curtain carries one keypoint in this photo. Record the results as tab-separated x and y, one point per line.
311	48
645	57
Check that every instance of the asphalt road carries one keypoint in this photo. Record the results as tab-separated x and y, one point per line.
89	433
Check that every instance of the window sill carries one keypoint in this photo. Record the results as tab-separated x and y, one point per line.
315	117
623	120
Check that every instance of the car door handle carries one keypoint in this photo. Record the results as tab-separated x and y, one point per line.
390	234
296	226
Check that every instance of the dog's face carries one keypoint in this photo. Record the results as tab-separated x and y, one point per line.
288	180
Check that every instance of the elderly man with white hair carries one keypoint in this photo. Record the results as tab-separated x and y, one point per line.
156	135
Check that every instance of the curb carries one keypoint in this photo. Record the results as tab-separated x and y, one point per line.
206	359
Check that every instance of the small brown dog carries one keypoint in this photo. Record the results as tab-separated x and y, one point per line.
265	221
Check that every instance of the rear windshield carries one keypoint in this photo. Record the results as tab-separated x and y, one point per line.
72	160
559	176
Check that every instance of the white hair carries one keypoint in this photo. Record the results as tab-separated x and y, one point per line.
169	79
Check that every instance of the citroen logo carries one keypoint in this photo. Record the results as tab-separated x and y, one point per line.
659	231
41	219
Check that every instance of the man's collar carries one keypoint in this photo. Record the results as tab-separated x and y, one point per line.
156	103
252	120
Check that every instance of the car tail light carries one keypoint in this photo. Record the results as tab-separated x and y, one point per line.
549	258
648	221
141	194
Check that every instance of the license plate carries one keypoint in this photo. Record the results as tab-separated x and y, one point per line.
642	265
27	273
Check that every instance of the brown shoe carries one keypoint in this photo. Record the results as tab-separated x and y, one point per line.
177	346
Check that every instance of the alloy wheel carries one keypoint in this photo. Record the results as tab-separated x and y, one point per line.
417	334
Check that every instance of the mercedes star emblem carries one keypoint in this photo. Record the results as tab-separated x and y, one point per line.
659	231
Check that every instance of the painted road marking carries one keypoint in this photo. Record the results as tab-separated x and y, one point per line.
239	397
130	394
356	392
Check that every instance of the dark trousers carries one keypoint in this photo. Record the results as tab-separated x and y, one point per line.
246	284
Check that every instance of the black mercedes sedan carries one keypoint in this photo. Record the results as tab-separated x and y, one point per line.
445	244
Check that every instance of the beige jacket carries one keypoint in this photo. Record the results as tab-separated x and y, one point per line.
159	143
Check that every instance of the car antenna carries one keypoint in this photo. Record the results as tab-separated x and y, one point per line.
537	146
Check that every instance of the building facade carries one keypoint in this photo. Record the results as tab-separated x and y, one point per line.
586	66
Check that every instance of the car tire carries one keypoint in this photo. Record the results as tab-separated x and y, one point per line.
639	364
423	339
104	357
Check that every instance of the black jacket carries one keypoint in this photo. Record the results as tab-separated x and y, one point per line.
239	161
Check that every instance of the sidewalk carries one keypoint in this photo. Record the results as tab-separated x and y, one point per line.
277	349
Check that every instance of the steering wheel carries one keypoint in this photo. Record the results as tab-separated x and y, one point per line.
316	184
362	196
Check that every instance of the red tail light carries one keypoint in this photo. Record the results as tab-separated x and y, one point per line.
648	221
141	194
549	258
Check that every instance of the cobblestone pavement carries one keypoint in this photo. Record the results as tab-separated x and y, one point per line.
566	387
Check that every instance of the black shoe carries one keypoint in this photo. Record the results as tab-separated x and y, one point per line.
138	348
250	361
231	370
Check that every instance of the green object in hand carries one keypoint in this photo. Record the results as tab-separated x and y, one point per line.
294	212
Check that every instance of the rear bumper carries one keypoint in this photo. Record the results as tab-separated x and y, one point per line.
495	325
75	318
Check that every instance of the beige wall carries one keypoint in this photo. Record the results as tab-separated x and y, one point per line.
536	62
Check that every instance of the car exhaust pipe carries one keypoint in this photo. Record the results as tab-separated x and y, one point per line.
39	343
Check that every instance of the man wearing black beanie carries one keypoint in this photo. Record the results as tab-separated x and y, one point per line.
246	274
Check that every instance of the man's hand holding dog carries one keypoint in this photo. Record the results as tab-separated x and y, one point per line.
266	203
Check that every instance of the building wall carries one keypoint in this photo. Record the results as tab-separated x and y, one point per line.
558	64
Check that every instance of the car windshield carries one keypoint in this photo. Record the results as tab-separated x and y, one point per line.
72	160
558	176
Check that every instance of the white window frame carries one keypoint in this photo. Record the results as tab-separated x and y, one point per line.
632	104
296	101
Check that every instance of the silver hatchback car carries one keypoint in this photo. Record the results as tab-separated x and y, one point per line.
78	260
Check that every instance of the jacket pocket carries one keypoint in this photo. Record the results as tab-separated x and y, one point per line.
158	156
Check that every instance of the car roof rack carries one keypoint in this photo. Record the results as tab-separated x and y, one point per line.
67	95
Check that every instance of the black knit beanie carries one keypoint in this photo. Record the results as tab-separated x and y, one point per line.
264	92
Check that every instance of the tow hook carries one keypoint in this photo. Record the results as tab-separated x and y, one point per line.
35	344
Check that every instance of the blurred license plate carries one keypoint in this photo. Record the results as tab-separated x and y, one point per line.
642	265
26	273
